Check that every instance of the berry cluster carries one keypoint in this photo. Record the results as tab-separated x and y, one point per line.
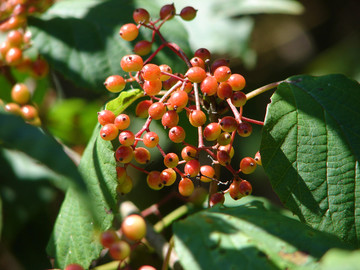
208	94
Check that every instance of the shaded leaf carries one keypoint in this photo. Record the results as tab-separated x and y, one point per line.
310	150
248	237
336	259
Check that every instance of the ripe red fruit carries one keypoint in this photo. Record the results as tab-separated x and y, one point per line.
157	110
170	119
188	13
197	62
154	181
168	176
207	173
167	69
245	188
223	157
109	237
228	124
141	15
129	31
244	129
224	91
247	165
134	227
119	250
106	117
222	73
126	138
178	100
74	266
212	131
209	86
188	153
122	121
224	138
177	134
20	93
167	11
142	108
13	56
13	108
234	190
115	83
152	88
142	155
203	53
197	118
238	99
150	139
124	154
186	187
109	132
192	168
196	74
29	112
216	198
131	63
218	63
171	160
237	82
151	72
147	267
15	38
143	47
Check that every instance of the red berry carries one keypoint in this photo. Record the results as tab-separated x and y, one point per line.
234	190
106	117
224	138
15	38
143	47
4	48
40	68
223	157
203	53
247	165
177	134
126	138
212	131
157	110
168	176
170	119
245	188
209	86
146	267
178	100
13	56
142	108
151	72
124	154
142	155
196	74
109	237
171	160
167	11
129	31
141	15
119	250
186	187
228	149
150	139
74	266
244	129
154	181
224	91
192	168
216	198
188	13
207	173
29	112
13	108
20	93
237	82
228	124
197	62
122	121
167	69
109	132
222	73
238	99
134	227
218	63
188	153
197	118
131	63
115	83
152	88
120	174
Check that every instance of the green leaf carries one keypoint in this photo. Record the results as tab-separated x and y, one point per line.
16	134
80	38
310	150
336	259
248	237
124	100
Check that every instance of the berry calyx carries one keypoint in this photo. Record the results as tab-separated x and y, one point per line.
257	158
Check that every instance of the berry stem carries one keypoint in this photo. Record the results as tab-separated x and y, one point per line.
262	89
236	113
197	103
5	70
171	217
138	168
252	121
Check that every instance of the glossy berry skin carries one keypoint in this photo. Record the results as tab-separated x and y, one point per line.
228	149
157	110
171	160
13	56
126	138
218	63
224	91
224	138
228	124
247	165
244	129
170	119
222	73
141	15
197	118
186	187
143	47
15	38
167	11
122	121
167	69
124	154
142	155
209	86
20	93
177	134
40	68
106	117
188	13
129	32
216	198
109	132
168	177
147	267
150	139
13	108
134	227
119	250
212	131
152	88
29	112
257	158
196	74
203	53
178	100
245	188
109	237
237	82
142	108
188	153
234	190
223	157
151	72
238	99
207	173
131	63
74	266
197	62
115	83
125	187
154	181
120	174
192	168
